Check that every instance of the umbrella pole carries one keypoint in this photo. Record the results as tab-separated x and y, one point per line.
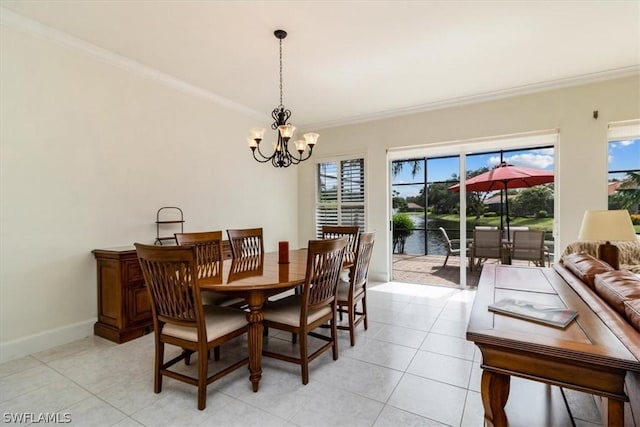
506	196
501	210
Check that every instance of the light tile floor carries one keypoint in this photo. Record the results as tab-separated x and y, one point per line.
412	367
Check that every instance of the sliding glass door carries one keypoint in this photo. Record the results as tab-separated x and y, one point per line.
433	220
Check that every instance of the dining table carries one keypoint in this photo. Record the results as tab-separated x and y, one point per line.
256	278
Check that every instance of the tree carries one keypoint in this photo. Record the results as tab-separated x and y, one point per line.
529	201
441	199
402	228
399	203
415	164
627	196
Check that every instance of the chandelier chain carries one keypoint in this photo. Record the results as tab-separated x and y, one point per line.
281	72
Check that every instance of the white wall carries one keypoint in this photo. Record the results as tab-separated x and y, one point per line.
581	155
89	151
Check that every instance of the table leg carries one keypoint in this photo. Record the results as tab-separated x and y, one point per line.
254	317
495	392
614	415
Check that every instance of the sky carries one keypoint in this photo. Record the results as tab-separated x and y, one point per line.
623	155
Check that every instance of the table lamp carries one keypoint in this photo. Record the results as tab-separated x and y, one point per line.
608	226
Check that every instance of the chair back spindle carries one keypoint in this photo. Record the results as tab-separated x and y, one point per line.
209	252
350	232
172	287
246	242
363	258
324	263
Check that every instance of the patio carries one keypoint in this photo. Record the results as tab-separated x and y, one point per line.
428	270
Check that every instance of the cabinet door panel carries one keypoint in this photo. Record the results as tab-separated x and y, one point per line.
138	304
109	293
133	272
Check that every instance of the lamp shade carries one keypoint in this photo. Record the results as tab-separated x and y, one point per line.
607	225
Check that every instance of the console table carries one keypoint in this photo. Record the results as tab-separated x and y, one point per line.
585	356
124	310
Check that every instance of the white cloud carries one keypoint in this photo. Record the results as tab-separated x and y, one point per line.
539	159
627	142
493	161
531	160
547	151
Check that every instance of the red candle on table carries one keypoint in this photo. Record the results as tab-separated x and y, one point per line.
283	252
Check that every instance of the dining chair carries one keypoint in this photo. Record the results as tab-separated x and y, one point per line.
210	258
453	246
348	231
246	242
317	305
486	244
180	318
528	245
355	290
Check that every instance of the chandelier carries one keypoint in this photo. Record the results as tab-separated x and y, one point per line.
282	157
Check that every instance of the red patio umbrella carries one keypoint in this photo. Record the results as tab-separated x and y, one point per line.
506	176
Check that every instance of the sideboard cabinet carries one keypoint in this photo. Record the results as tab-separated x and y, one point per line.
124	308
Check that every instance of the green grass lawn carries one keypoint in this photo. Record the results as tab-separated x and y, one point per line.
545	224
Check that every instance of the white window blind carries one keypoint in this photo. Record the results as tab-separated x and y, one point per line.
619	131
341	194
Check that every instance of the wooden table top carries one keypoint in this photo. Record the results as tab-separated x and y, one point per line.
585	339
255	273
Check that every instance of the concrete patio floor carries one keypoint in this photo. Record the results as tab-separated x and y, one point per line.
428	270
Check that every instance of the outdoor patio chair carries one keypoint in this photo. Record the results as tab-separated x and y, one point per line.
528	245
512	230
453	246
486	244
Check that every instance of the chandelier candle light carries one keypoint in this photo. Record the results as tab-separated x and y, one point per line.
281	157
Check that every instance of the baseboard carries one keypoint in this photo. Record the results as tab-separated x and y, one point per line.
45	340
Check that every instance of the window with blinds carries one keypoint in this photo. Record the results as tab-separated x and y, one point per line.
340	191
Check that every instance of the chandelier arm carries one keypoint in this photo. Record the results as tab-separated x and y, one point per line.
300	158
265	158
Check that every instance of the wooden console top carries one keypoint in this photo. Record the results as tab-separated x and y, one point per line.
585	356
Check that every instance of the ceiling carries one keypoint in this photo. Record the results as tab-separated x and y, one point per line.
350	61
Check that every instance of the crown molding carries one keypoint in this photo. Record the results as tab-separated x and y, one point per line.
617	73
24	24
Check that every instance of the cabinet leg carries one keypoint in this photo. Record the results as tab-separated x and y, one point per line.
495	392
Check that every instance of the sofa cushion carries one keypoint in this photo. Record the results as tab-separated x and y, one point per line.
616	287
585	266
629	252
632	312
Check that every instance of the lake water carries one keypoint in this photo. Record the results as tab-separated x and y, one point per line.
436	245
